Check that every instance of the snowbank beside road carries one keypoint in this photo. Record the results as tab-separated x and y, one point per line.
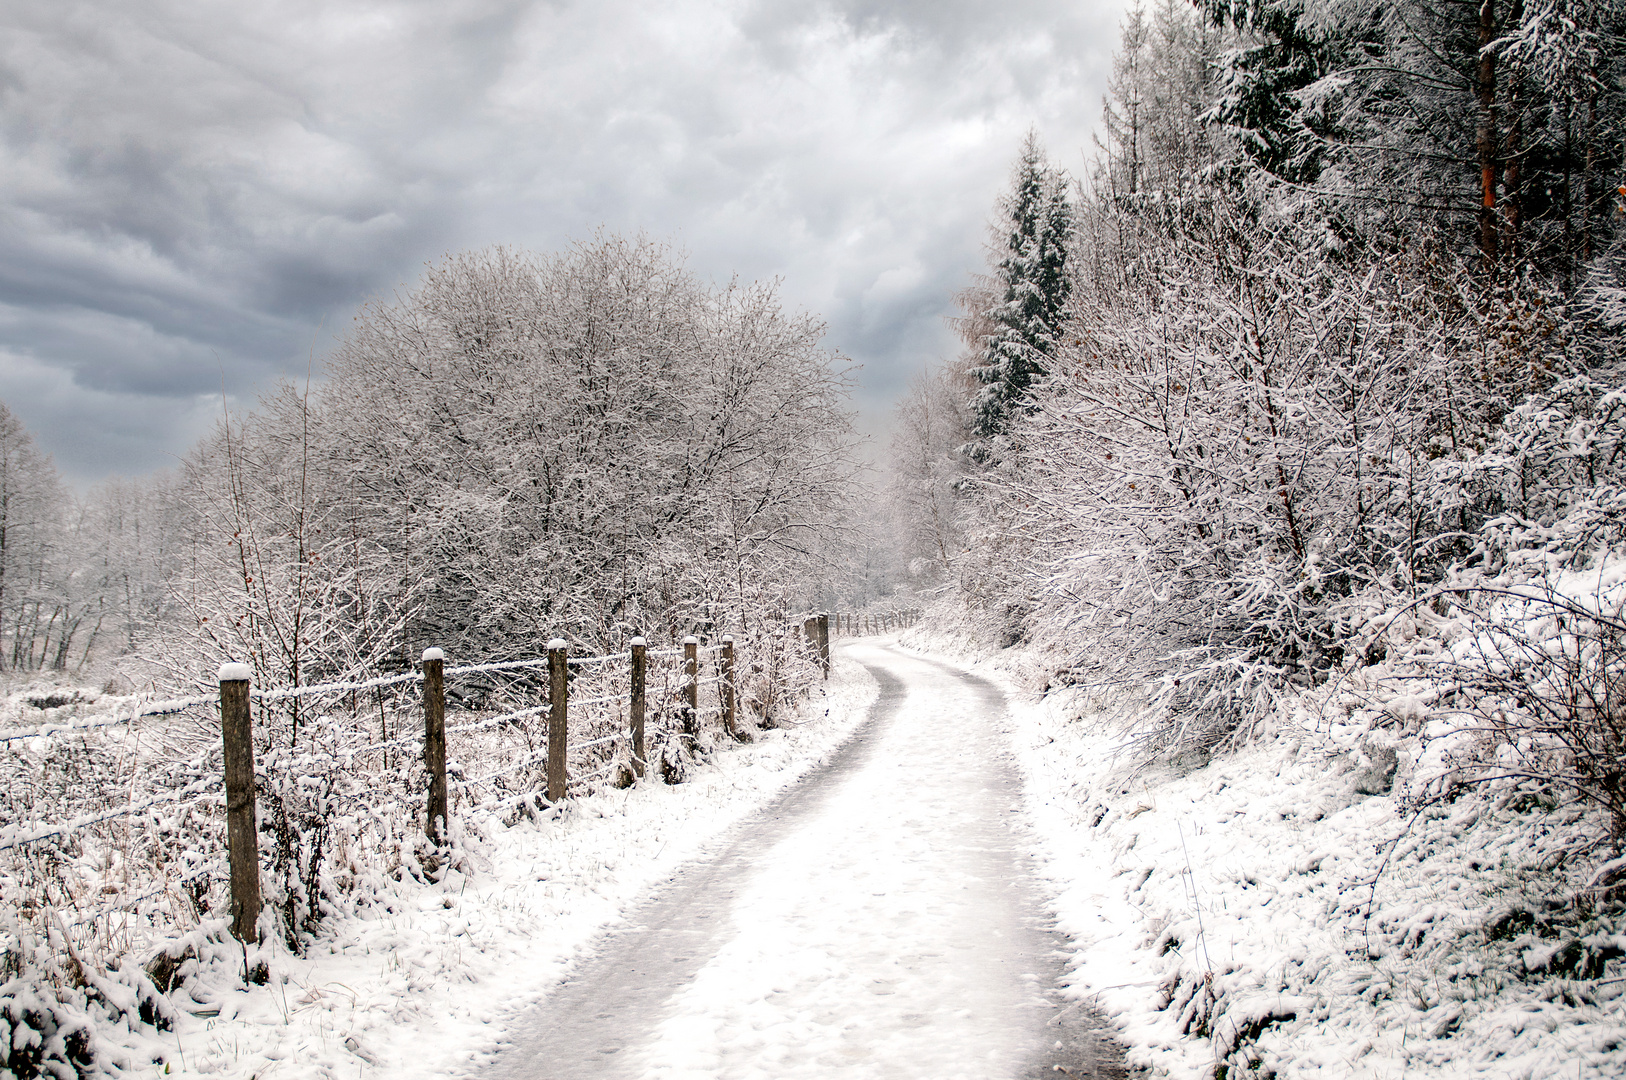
1276	912
422	983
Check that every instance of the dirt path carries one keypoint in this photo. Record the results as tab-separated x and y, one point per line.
878	920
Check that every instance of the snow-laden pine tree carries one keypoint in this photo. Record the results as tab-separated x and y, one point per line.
1496	123
1277	52
1030	286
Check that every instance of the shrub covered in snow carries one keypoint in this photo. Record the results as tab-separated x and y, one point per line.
112	866
1307	904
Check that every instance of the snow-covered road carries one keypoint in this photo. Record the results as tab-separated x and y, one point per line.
878	920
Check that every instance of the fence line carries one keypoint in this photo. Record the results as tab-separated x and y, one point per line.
92	723
675	700
553	760
870	623
285	693
14	837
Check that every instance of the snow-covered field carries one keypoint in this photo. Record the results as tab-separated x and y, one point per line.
1277	911
423	983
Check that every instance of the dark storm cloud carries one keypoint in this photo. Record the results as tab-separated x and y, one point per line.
194	196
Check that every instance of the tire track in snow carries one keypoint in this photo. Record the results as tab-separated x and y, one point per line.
877	920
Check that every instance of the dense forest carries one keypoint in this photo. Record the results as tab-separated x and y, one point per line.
1325	344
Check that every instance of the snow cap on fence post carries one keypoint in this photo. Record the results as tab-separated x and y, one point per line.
232	671
433	653
242	835
638	642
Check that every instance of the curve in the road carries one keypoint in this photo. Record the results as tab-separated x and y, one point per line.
878	920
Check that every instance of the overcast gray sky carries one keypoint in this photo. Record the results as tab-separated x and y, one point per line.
197	195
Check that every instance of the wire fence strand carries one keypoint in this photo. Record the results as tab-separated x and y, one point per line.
588	661
342	736
284	693
12	836
105	720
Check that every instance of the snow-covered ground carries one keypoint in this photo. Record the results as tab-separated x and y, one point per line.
424	984
1276	911
1272	911
882	923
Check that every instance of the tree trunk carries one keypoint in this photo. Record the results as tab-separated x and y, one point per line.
1485	133
1512	158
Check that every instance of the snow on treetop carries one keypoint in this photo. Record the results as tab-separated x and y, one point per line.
433	654
235	672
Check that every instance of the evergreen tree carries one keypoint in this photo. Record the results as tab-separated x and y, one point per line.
1495	123
1031	289
1278	55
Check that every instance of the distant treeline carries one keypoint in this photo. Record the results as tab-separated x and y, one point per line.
593	443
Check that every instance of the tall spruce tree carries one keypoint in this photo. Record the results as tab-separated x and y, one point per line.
1030	292
1279	52
1494	122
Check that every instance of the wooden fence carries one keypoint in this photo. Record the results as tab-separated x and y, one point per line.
575	718
237	732
862	623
